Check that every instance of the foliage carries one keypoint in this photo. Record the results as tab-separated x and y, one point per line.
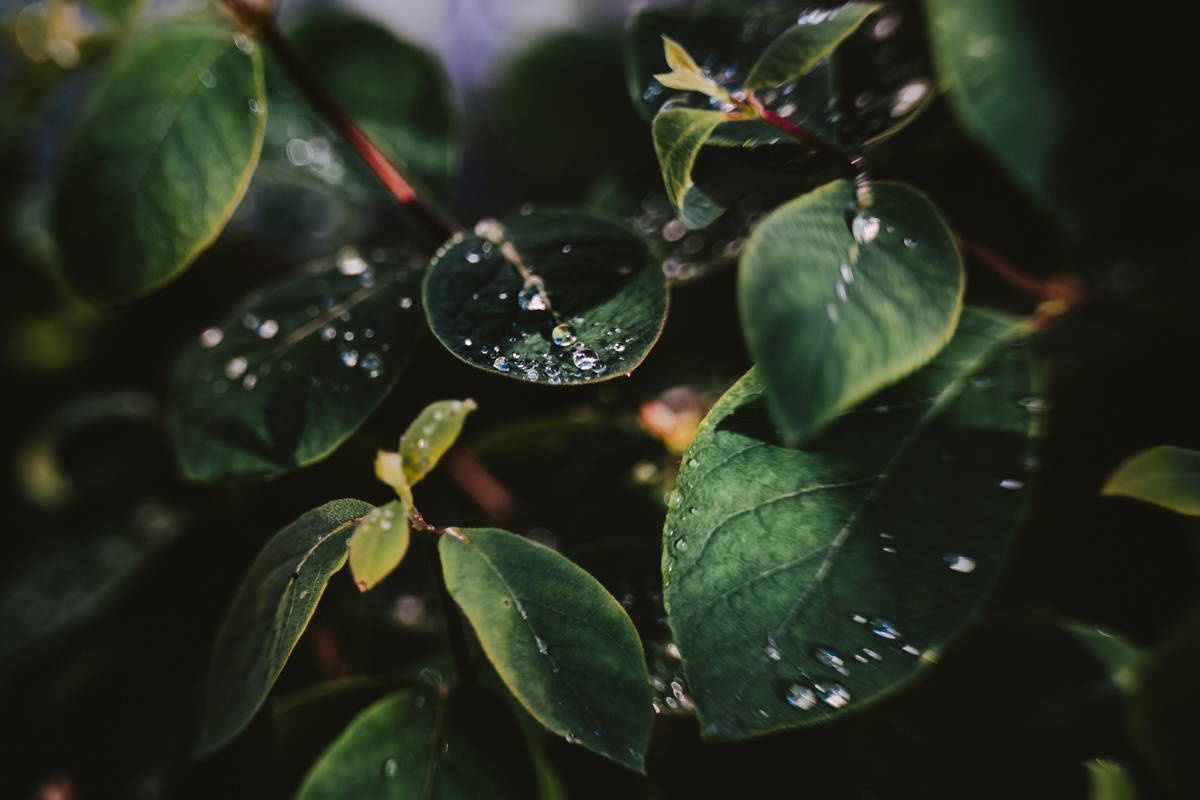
924	272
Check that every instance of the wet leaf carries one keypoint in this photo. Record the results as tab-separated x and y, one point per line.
801	583
560	642
269	613
431	434
837	303
379	543
598	309
293	371
416	743
800	47
158	160
1166	476
679	133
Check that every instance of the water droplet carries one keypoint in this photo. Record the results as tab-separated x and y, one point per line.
566	248
1012	483
693	462
864	228
532	296
563	335
832	311
542	647
840	289
349	262
406	302
350	358
473	257
911	650
236	367
468	342
501	363
859	618
617	347
207	79
847	272
1033	404
328	333
959	562
889	549
829	657
211	337
801	697
391	768
910	242
585	358
909	96
253	105
884	629
267	329
771	650
832	694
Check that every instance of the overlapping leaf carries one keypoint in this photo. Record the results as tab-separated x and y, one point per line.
1166	476
800	583
800	47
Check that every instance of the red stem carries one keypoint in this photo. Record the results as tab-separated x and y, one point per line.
798	132
336	117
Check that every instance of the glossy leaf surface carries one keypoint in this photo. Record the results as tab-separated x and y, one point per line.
804	582
800	47
431	434
1166	476
679	133
379	543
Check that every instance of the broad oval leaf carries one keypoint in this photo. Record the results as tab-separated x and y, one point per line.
431	434
802	582
1166	476
293	371
837	302
379	543
800	47
600	308
158	160
268	614
417	745
679	133
560	642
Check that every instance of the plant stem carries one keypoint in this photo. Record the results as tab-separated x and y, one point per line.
1054	290
263	24
797	132
455	631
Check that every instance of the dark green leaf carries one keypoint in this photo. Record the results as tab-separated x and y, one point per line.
800	47
560	642
415	744
837	302
800	582
293	371
268	614
431	434
1165	712
379	543
160	157
1166	476
606	295
679	133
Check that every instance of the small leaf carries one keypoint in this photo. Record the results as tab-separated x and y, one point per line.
158	161
803	582
416	744
268	614
678	58
798	49
389	468
687	75
592	309
430	435
560	642
293	371
379	543
679	133
1166	476
837	303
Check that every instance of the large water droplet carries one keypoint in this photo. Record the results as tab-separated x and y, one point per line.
349	262
350	358
501	363
801	697
884	629
563	335
865	228
585	357
832	694
829	657
532	296
959	562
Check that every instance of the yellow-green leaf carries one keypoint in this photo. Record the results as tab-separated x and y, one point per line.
1166	476
379	543
430	435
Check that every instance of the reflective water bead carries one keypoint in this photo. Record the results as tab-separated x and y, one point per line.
236	367
532	296
771	650
267	329
959	562
584	357
501	363
864	228
563	335
801	697
829	657
884	629
350	358
391	768
832	694
211	337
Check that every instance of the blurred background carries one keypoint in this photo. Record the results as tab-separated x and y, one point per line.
115	570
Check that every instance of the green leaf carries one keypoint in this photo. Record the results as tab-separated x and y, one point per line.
800	47
602	289
1109	781
430	435
396	92
117	10
1164	718
1166	476
679	133
801	582
560	642
158	160
293	371
379	543
268	614
832	315
417	744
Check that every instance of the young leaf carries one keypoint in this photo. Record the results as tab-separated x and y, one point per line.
560	642
416	744
800	582
268	614
679	133
293	371
158	160
592	308
837	303
800	47
686	73
1166	476
379	543
430	435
